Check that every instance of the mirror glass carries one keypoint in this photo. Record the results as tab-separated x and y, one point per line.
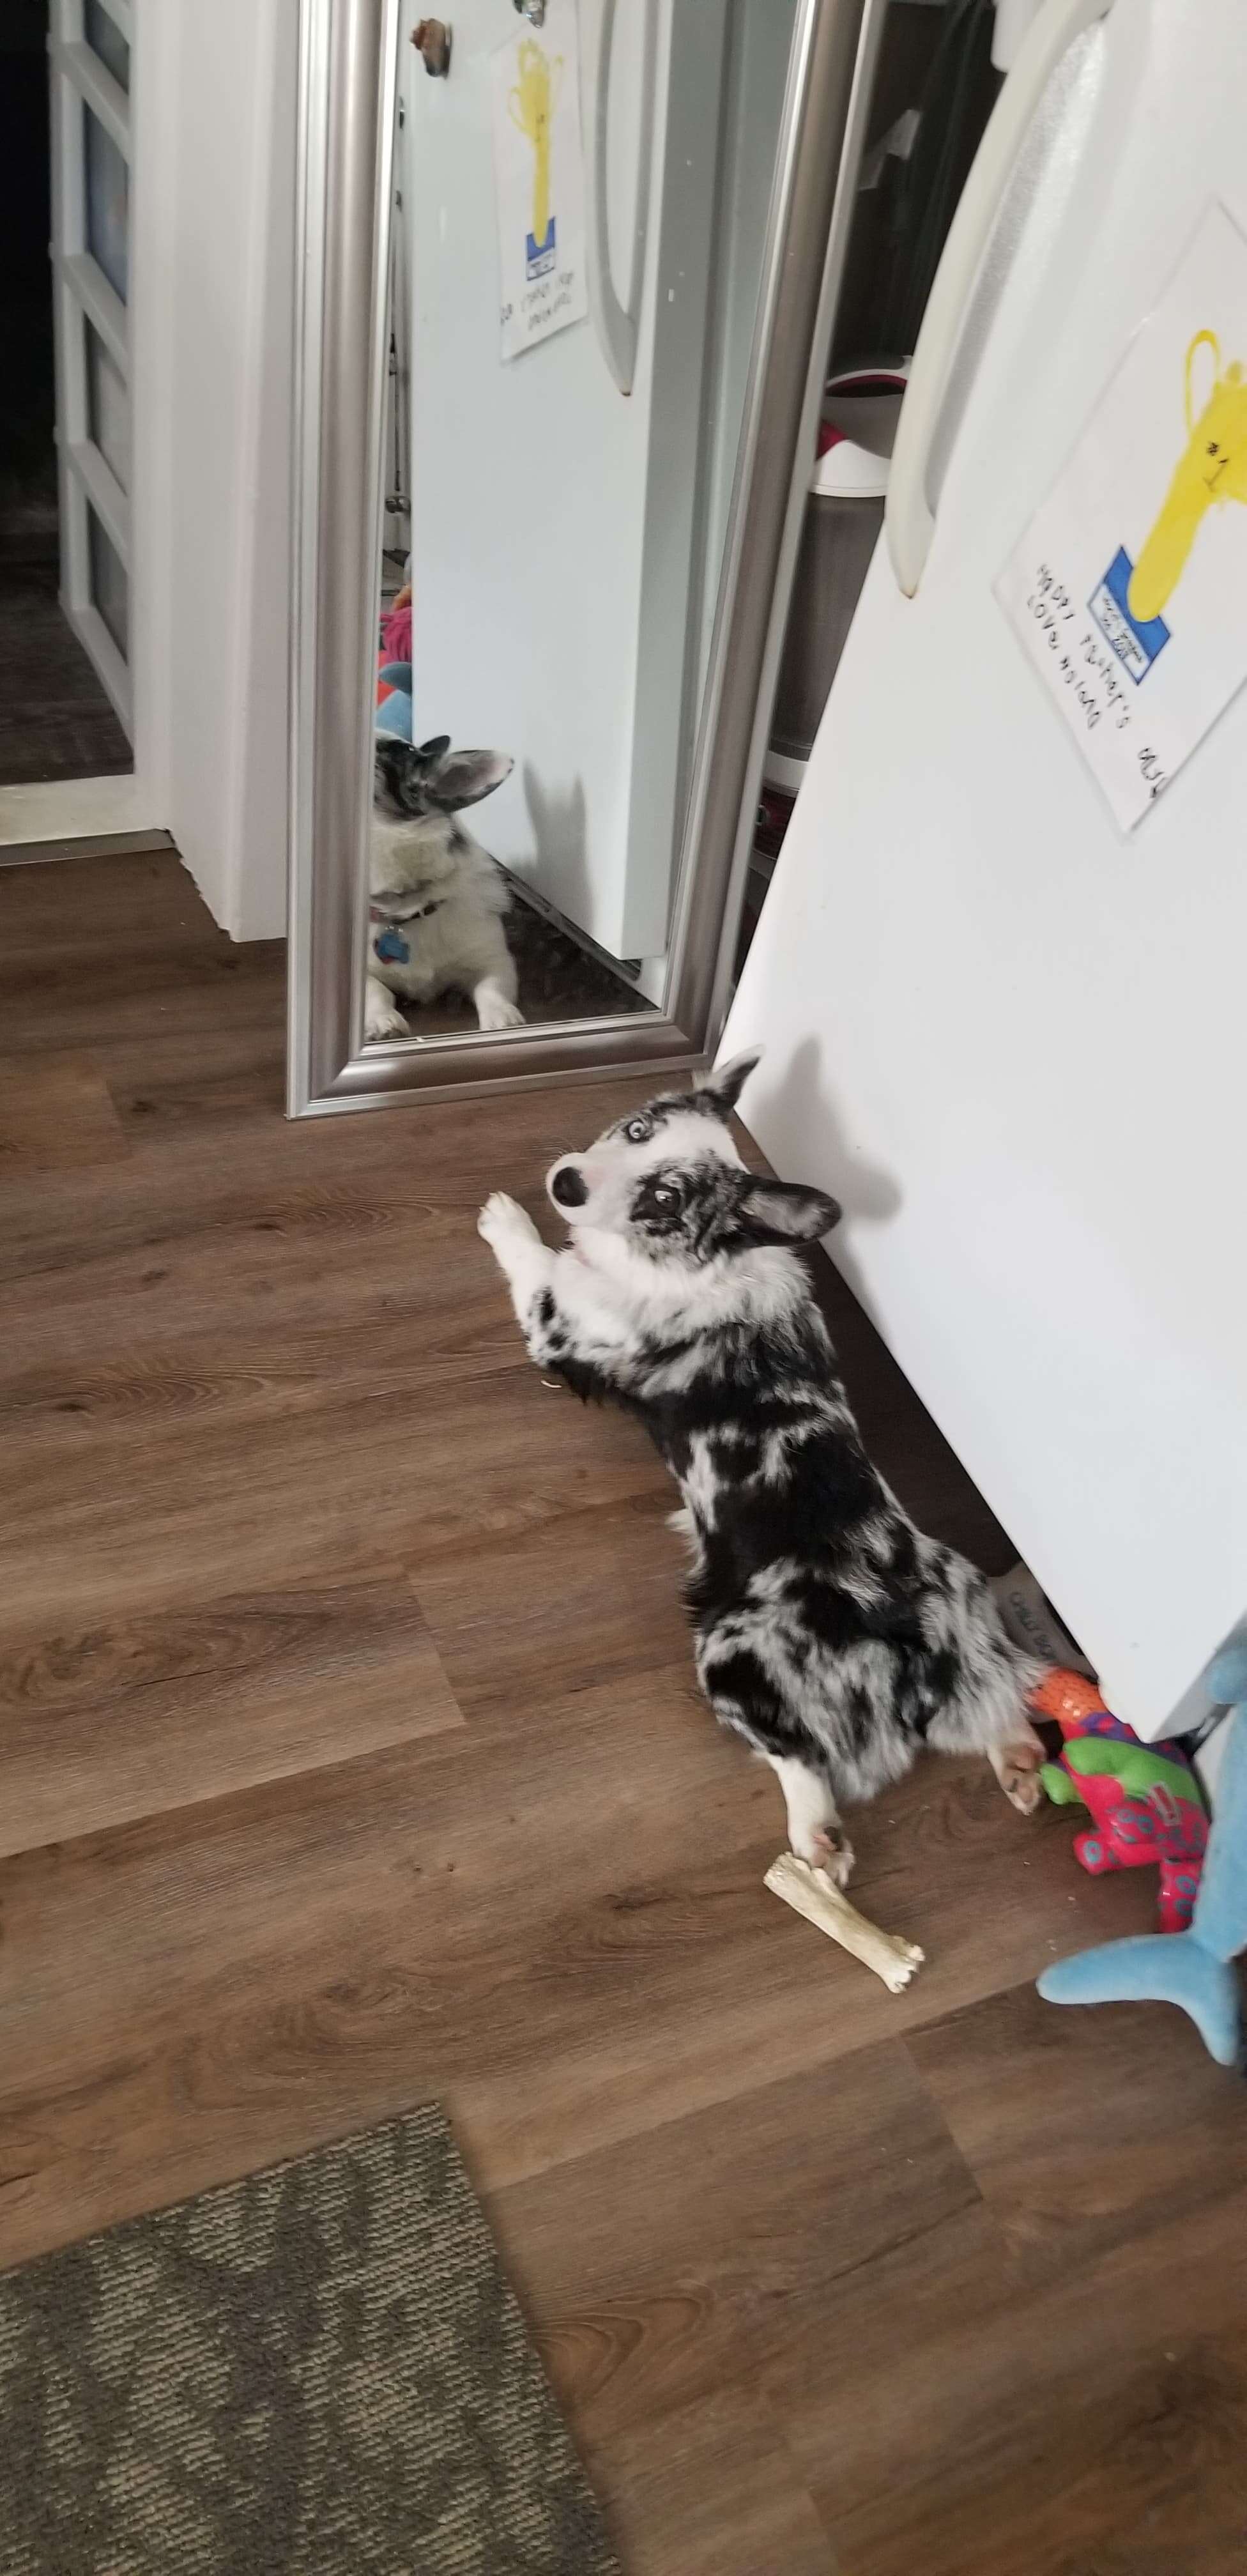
579	206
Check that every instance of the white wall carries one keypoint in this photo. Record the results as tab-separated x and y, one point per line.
215	237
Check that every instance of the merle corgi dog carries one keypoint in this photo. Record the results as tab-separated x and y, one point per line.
828	1631
436	898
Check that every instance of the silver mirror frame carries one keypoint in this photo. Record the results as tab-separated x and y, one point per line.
347	78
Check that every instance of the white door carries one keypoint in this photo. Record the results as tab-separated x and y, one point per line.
90	47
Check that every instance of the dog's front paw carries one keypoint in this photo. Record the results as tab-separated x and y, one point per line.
494	1011
503	1221
383	1020
827	1848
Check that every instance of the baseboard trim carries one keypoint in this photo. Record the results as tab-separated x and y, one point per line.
83	845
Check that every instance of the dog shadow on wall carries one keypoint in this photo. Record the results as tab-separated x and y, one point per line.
560	831
900	1436
803	1100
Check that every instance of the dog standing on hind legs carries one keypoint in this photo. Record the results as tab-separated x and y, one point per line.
829	1632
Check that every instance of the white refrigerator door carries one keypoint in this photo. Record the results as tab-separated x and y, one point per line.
1011	1040
554	534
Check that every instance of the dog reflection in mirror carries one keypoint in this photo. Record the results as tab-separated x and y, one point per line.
829	1632
436	898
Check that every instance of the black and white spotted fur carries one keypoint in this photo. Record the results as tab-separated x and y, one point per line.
436	898
829	1632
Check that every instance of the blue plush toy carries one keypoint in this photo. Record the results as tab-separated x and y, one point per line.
394	700
1195	1968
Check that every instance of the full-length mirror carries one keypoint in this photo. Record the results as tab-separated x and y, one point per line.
571	330
579	213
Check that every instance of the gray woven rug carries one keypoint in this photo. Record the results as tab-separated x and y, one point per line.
317	2371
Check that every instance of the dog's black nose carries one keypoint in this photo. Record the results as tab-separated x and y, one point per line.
568	1187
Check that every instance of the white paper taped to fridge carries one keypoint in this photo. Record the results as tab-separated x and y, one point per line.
1129	589
539	180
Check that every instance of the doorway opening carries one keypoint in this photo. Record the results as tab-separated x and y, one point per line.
65	696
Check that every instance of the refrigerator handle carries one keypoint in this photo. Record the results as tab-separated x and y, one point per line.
910	525
617	325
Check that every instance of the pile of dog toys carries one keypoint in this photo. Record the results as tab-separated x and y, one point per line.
1146	1806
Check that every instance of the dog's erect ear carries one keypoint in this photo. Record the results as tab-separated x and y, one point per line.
784	1211
433	750
463	777
721	1089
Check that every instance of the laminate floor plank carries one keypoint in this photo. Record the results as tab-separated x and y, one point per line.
309	1492
562	1911
516	1619
1049	2150
295	1959
661	2267
141	1716
57	1116
710	2490
958	2414
174	986
297	1178
112	912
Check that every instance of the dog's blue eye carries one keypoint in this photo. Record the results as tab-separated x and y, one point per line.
637	1131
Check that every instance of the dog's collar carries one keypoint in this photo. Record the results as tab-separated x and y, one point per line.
414	912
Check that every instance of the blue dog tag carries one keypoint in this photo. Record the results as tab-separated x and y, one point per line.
393	948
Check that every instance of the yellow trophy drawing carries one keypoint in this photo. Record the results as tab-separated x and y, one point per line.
532	104
1213	469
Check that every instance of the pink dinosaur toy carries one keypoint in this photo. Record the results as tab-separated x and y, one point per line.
1146	1805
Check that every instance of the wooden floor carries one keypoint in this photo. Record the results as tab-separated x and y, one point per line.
349	1756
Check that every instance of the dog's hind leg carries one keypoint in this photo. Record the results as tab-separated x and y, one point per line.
1017	1766
815	1832
744	1698
998	1727
985	1682
996	1724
